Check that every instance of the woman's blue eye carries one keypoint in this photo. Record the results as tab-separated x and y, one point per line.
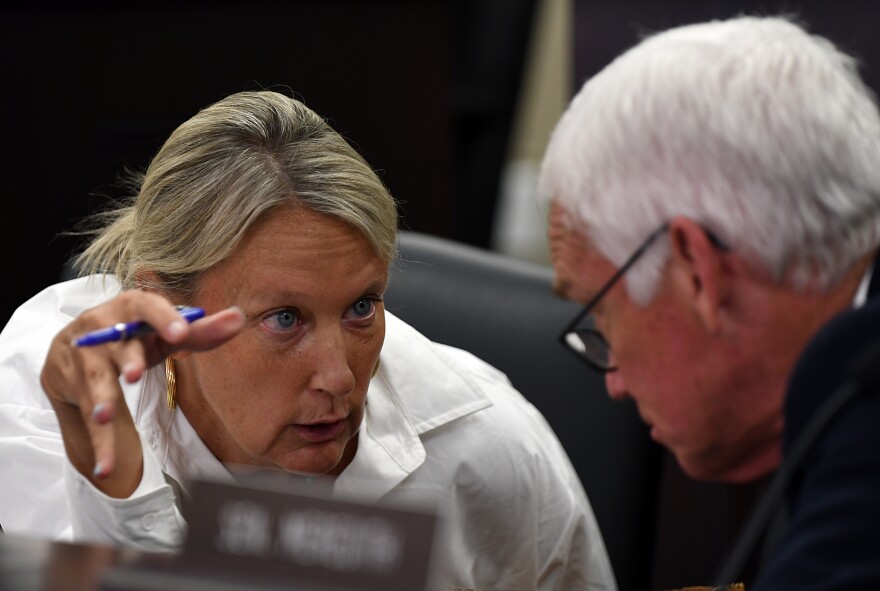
282	319
363	307
286	318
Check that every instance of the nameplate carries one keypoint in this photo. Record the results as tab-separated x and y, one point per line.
266	532
273	526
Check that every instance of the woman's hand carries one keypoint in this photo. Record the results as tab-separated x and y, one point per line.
82	383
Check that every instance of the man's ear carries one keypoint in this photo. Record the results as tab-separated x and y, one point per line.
701	274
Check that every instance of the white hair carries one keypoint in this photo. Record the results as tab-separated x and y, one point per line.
754	128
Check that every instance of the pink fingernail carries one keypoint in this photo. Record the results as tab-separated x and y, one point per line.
98	413
130	369
98	471
176	327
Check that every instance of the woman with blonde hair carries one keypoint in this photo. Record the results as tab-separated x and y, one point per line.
257	212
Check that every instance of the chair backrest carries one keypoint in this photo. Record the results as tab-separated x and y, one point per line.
504	311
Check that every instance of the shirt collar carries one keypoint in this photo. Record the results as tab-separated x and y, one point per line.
420	376
416	389
180	451
868	287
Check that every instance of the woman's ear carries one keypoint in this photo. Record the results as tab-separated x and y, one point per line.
149	281
701	272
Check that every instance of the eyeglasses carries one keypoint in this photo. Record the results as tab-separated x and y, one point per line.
588	343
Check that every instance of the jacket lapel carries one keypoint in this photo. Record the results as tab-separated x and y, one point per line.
874	284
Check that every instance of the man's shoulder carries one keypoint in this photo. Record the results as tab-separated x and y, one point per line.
846	349
834	500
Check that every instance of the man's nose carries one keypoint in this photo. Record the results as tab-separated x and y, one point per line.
615	384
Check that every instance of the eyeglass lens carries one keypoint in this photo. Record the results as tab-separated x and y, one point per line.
591	345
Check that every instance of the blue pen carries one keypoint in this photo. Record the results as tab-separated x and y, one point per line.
129	330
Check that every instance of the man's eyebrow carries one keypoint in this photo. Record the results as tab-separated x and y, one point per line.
562	288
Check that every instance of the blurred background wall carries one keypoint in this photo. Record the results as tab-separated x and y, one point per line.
451	100
426	90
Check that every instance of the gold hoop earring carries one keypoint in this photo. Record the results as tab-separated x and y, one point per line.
170	383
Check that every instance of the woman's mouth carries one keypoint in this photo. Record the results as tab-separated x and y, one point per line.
320	432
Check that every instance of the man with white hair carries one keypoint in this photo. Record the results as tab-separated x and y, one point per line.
714	202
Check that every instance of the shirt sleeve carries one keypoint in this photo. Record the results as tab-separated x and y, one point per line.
555	528
570	545
149	520
514	514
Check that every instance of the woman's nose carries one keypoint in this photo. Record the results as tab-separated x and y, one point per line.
331	368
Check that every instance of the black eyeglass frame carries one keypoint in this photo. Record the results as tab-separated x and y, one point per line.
588	307
571	328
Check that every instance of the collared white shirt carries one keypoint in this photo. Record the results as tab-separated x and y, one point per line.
441	428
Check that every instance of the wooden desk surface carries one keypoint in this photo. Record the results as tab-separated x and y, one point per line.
29	564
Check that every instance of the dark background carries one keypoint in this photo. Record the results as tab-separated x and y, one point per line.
425	89
605	28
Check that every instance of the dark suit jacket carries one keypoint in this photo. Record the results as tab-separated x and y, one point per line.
833	537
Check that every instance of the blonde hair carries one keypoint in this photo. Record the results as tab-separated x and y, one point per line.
222	170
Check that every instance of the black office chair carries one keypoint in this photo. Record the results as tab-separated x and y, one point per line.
504	311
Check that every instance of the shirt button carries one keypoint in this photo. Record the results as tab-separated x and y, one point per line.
149	521
152	439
